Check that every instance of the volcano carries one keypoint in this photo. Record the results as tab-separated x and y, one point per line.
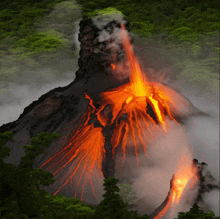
110	104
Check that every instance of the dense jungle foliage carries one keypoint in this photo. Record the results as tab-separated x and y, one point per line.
33	32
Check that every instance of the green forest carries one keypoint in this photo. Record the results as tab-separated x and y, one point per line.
31	32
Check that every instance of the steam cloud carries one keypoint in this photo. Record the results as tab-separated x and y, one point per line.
151	180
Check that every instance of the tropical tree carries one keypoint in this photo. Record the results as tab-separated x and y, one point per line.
112	206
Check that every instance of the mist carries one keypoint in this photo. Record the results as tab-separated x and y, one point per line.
20	96
199	138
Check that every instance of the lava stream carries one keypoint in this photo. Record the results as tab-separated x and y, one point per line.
185	176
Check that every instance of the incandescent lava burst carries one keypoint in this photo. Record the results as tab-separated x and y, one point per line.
134	107
186	173
184	179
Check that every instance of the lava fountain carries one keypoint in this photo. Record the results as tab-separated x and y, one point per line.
183	180
139	100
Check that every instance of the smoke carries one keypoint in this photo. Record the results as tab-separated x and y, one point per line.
199	139
17	97
110	36
122	70
212	200
102	19
151	180
77	43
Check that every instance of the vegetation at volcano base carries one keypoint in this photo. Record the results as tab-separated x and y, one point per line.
196	213
22	195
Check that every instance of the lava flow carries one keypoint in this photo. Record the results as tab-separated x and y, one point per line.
185	176
134	107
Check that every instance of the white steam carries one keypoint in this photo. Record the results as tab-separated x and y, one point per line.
76	35
20	96
212	200
151	180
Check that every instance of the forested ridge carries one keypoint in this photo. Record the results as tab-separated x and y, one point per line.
190	28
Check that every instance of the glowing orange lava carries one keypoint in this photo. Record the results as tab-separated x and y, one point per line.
163	212
140	103
185	175
113	66
90	157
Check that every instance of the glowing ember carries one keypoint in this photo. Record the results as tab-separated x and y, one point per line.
131	103
113	66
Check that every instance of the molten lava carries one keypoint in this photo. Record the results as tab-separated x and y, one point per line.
185	175
163	212
89	157
113	66
134	107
